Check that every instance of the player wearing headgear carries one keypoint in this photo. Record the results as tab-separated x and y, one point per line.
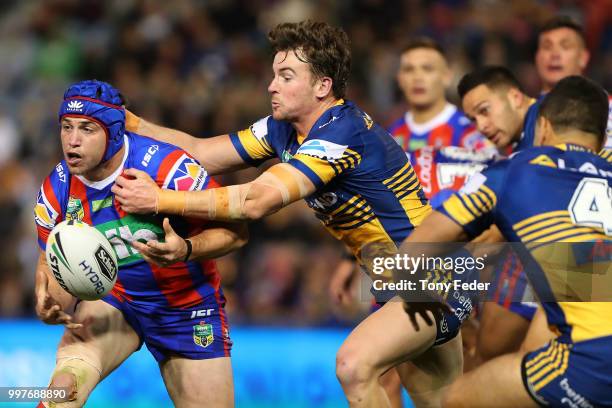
354	176
171	301
423	76
571	218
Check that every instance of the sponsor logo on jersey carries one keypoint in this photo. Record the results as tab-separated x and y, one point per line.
44	214
121	233
149	154
286	156
60	172
97	205
193	178
322	149
203	334
74	209
328	122
201	313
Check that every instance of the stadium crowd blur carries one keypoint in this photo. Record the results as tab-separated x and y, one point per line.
203	67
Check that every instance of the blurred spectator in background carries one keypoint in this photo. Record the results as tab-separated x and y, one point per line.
203	67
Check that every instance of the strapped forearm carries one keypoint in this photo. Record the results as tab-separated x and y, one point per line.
218	241
274	189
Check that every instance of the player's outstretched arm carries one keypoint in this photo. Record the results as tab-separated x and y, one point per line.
215	241
277	187
435	228
51	299
216	154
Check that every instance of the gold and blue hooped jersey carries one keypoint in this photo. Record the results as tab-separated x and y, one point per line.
367	191
542	197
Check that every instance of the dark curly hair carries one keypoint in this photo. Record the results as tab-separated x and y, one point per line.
325	48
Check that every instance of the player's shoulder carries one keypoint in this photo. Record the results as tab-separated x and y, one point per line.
343	123
270	128
59	176
148	154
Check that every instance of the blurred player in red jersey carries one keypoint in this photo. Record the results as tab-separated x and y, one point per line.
562	51
168	300
423	76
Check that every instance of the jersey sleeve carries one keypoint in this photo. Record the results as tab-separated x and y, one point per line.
329	152
253	144
473	207
180	171
47	212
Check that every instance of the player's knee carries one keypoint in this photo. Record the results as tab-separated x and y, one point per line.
77	378
353	370
67	381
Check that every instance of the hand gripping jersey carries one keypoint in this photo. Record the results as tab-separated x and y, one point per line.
449	128
366	189
573	205
147	294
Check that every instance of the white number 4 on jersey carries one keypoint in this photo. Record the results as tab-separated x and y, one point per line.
591	204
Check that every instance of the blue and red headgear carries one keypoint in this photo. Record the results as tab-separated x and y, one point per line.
101	103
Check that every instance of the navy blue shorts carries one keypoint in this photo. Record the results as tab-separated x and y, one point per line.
570	374
197	333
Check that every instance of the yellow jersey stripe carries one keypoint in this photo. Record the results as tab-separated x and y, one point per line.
546	366
539	217
550	356
562	234
546	231
559	369
399	173
540	356
542	224
457	210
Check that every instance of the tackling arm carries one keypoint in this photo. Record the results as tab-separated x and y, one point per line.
216	154
277	187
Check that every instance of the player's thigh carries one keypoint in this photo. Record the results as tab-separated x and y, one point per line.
105	340
199	383
538	334
501	331
387	337
496	383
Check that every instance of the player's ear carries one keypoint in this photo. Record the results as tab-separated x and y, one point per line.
544	134
323	87
515	97
584	59
447	76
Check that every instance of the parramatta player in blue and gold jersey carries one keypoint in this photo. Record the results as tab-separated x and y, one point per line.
174	305
574	205
350	171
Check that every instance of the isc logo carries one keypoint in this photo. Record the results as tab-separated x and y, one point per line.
201	313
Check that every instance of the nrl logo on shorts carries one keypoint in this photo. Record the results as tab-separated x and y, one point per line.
74	210
203	334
